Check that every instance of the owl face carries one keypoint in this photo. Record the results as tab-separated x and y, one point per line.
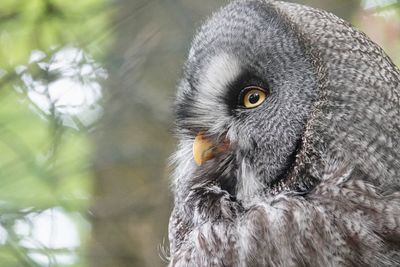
243	102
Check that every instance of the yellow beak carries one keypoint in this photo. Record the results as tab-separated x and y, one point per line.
204	149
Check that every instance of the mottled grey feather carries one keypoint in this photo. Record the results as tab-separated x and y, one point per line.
311	177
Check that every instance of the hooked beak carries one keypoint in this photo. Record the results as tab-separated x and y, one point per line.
204	149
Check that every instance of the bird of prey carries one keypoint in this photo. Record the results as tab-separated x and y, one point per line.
288	154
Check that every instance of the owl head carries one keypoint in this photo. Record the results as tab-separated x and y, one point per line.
244	101
270	99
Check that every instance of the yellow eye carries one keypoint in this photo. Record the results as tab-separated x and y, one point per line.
254	97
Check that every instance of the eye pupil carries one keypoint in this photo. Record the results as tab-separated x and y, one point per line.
253	98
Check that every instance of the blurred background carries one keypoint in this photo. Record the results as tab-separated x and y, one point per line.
86	93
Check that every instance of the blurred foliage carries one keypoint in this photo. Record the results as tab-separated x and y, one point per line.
47	24
45	177
56	194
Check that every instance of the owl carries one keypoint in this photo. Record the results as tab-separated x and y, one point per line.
288	153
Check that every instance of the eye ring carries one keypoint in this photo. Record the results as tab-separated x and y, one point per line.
253	96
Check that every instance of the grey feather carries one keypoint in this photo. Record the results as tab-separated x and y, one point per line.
312	176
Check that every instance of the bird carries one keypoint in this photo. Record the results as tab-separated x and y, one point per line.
287	120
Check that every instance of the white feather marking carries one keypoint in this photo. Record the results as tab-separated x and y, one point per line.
221	70
216	76
183	161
